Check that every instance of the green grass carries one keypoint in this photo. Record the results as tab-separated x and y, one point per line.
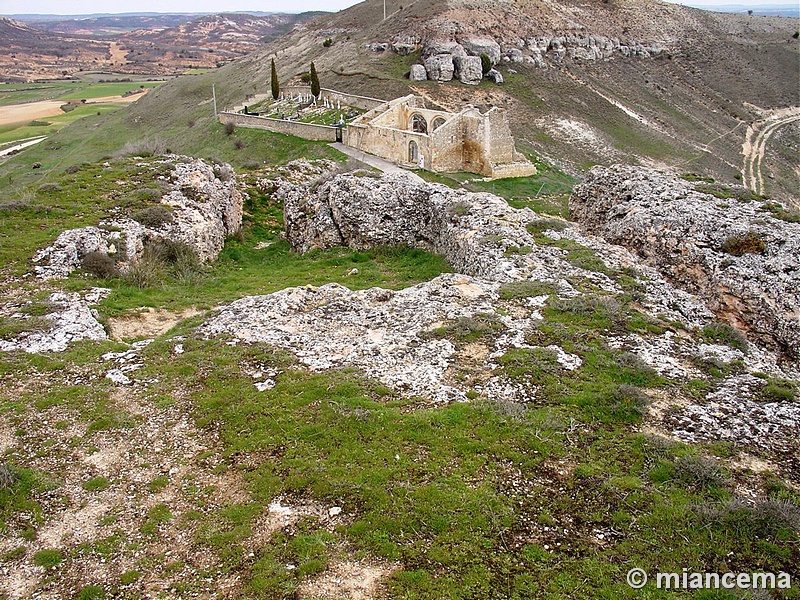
48	558
96	484
432	488
546	192
48	126
241	269
20	496
101	90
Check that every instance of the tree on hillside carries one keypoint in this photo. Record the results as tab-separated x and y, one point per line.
315	89
276	88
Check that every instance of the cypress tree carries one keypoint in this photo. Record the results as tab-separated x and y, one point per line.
315	89
276	88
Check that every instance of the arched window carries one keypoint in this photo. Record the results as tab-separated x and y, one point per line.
419	124
413	152
437	122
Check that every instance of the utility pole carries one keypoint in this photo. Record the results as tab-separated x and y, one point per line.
214	94
384	10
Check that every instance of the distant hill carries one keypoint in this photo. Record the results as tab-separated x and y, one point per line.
767	10
28	53
635	81
231	31
104	25
134	44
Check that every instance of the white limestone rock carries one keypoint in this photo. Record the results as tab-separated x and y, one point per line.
495	76
476	45
71	320
436	46
418	73
468	69
683	232
440	67
206	207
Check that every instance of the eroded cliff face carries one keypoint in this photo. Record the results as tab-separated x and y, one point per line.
743	261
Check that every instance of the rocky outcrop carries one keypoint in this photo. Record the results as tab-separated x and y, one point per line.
435	46
489	244
741	260
440	67
468	69
71	319
204	206
404	44
538	50
475	46
478	233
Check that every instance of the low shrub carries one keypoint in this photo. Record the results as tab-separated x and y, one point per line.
600	307
698	472
739	245
162	259
526	289
779	390
47	558
627	402
693	177
781	212
722	333
100	265
764	518
467	329
7	478
96	484
229	128
142	148
14	206
539	226
154	217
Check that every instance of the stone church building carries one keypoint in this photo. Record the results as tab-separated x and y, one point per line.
405	132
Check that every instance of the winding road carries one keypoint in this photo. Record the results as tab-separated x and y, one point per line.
755	144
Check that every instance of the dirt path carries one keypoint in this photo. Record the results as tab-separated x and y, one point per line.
374	161
21	146
755	144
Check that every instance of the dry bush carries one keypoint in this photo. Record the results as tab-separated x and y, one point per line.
739	245
7	478
154	217
100	265
142	148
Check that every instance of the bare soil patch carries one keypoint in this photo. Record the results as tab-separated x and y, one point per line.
349	580
146	322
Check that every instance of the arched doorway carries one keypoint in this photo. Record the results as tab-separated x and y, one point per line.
419	124
413	152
